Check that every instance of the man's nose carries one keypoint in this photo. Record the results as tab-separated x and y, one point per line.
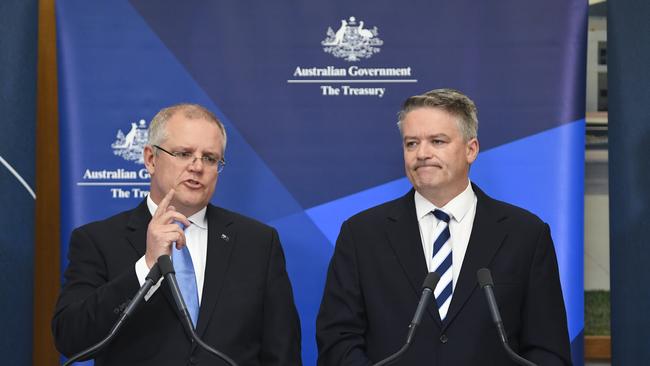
424	151
196	163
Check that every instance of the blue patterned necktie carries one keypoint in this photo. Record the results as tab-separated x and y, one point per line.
186	279
441	264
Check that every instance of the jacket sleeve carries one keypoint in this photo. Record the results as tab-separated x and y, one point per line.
89	304
341	322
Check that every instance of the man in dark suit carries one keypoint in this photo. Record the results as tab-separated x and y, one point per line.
446	225
243	302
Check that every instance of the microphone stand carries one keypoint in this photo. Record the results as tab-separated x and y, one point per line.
428	286
485	281
152	277
167	269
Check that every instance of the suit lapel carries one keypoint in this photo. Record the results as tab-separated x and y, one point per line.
403	234
137	228
221	240
486	238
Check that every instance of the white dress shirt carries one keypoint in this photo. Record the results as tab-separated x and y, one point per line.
462	210
196	238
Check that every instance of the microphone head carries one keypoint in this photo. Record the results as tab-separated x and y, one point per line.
165	265
430	281
154	273
484	277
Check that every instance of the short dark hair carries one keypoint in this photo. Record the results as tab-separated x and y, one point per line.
450	100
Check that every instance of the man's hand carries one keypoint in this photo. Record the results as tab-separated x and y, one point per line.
164	230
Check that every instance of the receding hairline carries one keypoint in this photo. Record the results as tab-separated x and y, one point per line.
158	126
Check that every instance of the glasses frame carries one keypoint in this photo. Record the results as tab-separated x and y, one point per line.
221	163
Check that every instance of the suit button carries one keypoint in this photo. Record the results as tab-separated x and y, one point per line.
443	338
194	360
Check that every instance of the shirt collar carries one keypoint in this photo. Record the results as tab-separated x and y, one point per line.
456	208
199	218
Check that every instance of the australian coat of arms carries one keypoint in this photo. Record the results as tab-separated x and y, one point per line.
352	41
130	146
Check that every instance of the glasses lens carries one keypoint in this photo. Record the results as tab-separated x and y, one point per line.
209	160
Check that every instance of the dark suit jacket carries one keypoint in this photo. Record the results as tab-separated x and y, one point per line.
375	278
247	309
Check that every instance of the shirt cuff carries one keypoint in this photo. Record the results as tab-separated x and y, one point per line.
142	270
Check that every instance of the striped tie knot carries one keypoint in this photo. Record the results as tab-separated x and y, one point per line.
441	215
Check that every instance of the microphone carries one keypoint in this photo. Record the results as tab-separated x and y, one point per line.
485	281
167	270
152	277
428	286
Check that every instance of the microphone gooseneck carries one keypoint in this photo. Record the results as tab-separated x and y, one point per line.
167	269
152	277
485	281
430	282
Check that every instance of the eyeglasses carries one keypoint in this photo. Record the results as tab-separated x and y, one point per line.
207	160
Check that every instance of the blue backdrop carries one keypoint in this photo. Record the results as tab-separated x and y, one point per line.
309	94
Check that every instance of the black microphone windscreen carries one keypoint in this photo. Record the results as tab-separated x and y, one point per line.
430	281
165	264
484	277
154	273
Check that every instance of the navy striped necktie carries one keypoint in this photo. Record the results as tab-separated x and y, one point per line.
442	263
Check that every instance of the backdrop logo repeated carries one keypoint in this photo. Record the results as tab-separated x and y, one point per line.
352	42
131	145
128	146
188	43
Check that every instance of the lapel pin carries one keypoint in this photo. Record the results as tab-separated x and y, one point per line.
225	237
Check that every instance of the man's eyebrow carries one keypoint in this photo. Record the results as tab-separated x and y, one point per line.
436	135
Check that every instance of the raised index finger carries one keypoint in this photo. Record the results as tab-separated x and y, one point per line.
162	207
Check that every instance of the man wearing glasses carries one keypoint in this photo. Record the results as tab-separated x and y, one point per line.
231	269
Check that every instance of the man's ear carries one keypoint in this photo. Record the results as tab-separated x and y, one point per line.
472	148
149	157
